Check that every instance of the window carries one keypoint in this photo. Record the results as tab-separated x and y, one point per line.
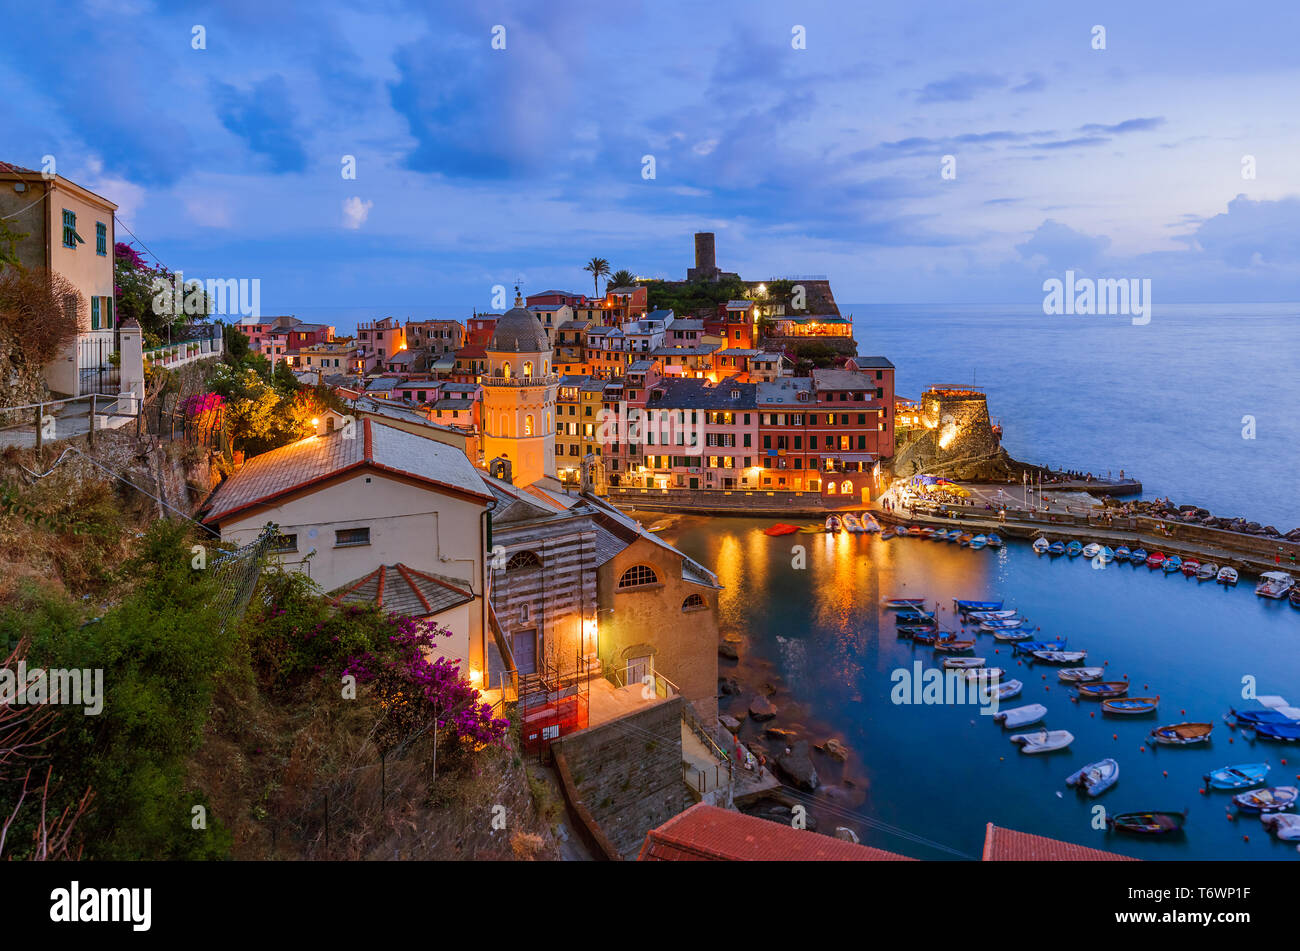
528	425
101	238
528	368
94	313
284	543
638	576
346	537
846	487
70	236
523	559
693	603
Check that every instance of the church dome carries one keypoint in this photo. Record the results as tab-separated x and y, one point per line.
518	331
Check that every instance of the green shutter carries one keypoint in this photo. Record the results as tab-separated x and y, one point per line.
94	313
101	238
69	228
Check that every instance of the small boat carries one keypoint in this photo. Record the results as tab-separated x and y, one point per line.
1105	556
812	530
851	523
1074	548
887	534
1043	741
994	540
869	523
964	539
1250	718
1274	584
963	663
1273	799
1021	716
1148	823
899	603
951	645
1171	564
1041	545
1130	706
1012	634
978	542
992	674
1028	647
965	607
1237	777
1191	567
1207	571
1227	576
940	535
1056	548
1122	552
833	524
1010	624
1103	689
781	528
925	635
1286	827
1282	732
915	616
1294	597
1091	550
1181	734
1080	675
1059	657
1006	691
992	615
1095	778
1155	559
1139	556
902	530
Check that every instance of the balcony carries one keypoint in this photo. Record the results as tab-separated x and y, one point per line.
550	379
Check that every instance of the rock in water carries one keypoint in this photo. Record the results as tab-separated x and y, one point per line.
761	708
729	651
731	723
835	750
728	685
796	764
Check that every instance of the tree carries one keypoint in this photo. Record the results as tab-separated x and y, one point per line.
41	312
622	278
133	283
599	268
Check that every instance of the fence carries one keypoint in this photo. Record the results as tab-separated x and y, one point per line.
207	342
98	366
31	425
237	573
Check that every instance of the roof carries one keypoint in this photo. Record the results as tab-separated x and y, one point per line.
316	459
785	390
402	590
1007	845
518	332
703	350
873	362
705	833
699	394
739	304
842	380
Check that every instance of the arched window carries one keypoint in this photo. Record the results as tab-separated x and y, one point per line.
692	602
528	425
548	423
523	559
505	369
846	487
637	576
528	368
830	488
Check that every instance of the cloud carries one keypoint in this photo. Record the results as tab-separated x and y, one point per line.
263	116
355	212
1128	125
1034	82
1059	246
960	87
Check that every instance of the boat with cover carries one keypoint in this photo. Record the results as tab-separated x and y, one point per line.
833	524
1148	823
965	607
1227	576
1091	550
1028	647
901	603
1283	825
1021	716
1273	799
851	523
1207	571
1059	657
1130	706
781	528
1250	718
1080	675
1237	777
1043	741
1274	584
1012	634
869	523
1056	548
1155	559
1074	548
1103	689
1171	564
1123	552
1095	778
994	540
1041	544
962	663
1191	567
1182	734
1282	732
1139	556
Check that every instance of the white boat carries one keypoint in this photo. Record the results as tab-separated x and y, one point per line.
962	663
1043	741
1080	675
1207	572
1060	657
992	615
1021	716
851	523
1040	545
869	523
1091	550
1227	576
1095	778
989	675
1106	555
1283	825
1012	635
1274	584
1007	691
1010	624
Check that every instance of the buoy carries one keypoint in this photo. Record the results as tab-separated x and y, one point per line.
1146	686
1142	749
1283	762
1231	817
1165	773
1201	791
1245	838
1044	676
1183	712
1114	736
1232	739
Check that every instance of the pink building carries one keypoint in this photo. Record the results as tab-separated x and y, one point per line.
379	340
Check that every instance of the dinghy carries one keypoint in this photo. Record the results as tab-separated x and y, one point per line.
851	523
1139	556
926	635
1074	548
1227	576
1007	625
994	540
1249	718
989	675
1091	550
1191	567
1012	634
1105	556
1059	657
1207	571
1171	564
1155	559
1095	778
1181	734
1282	732
1080	675
869	523
965	607
913	616
992	615
780	528
1103	689
978	542
1237	777
962	663
1123	552
1044	741
901	603
1056	548
1148	823
1028	647
964	539
1021	716
1285	827
1007	691
887	534
1273	799
1130	706
833	524
951	645
1041	545
902	530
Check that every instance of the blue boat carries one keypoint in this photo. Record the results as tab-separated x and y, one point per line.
1253	717
1056	548
1237	777
964	606
1095	778
1028	647
1172	563
913	616
978	542
1123	552
1287	732
1139	556
994	540
1074	548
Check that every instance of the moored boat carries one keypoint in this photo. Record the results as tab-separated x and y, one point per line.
851	523
1182	734
1282	732
900	603
781	528
902	530
1273	799
1227	576
1207	571
915	616
1028	647
1237	777
1056	548
965	607
964	539
887	534
1274	584
1283	825
1006	624
989	675
994	540
1105	556
953	644
1043	741
1074	548
1249	718
1139	556
1059	657
1041	544
1171	564
1295	597
1003	691
1123	552
1130	706
992	615
978	542
1191	567
1095	778
1080	675
1148	823
1091	550
833	524
1021	716
963	663
1012	634
1155	559
869	523
1103	689
925	635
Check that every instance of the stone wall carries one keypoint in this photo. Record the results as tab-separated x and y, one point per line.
627	773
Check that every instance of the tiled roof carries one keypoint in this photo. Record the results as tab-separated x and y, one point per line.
402	590
705	833
698	394
11	169
842	380
702	350
312	460
1007	845
873	362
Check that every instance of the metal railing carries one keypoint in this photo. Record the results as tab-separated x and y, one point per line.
44	417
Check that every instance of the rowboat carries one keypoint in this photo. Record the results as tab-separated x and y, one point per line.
1283	732
1103	689
915	616
1295	597
994	540
851	523
902	530
1273	799
965	607
869	523
1207	571
1105	556
962	663
1095	778
1059	657
812	530
1021	716
1010	624
1091	550
833	524
1181	734
1155	559
1191	567
1043	741
1074	548
1130	706
899	603
964	539
1028	647
1005	691
916	631
1041	545
992	615
1123	552
951	645
1148	823
1012	635
1171	564
978	542
1227	576
781	528
887	534
1080	675
1139	556
1285	827
1056	548
1274	584
990	675
1237	777
925	635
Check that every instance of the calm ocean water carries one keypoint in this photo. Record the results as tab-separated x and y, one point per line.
941	772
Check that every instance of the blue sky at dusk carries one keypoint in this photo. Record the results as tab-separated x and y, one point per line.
476	166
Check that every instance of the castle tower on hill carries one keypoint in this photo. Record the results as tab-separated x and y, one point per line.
519	390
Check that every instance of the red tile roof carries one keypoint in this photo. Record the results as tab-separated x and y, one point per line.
12	169
1007	845
402	590
705	833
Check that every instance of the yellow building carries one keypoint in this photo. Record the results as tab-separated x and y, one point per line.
518	412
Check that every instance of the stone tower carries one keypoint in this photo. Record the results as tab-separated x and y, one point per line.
518	409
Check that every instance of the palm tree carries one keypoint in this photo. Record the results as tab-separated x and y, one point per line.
599	268
621	278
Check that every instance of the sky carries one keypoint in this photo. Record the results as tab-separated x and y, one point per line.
810	137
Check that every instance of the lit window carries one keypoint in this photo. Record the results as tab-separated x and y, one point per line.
846	487
638	576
